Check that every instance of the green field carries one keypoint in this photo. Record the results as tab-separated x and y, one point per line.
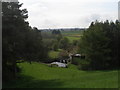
37	75
72	35
54	54
72	38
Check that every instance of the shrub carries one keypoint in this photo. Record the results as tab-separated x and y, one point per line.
76	61
84	65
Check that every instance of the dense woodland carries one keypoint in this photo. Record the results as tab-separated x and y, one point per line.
20	41
99	43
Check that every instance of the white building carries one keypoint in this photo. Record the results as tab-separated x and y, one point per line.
119	10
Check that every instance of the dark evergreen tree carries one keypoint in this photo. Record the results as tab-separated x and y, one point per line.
13	30
19	40
100	44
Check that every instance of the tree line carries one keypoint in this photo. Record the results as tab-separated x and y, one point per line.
20	42
100	44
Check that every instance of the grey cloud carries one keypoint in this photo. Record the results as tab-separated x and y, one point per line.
68	13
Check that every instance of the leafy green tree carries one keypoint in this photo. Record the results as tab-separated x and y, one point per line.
59	37
64	43
55	46
75	42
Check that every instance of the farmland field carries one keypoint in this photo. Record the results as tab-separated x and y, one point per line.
72	38
54	77
72	35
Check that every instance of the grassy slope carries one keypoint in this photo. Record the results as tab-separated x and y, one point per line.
54	54
38	75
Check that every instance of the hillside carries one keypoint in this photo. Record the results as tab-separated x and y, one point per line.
37	75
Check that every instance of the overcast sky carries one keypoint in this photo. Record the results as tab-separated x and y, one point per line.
69	13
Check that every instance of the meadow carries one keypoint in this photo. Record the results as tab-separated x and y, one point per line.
72	35
72	38
54	54
39	75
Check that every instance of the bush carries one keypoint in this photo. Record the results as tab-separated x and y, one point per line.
81	63
76	61
84	65
63	54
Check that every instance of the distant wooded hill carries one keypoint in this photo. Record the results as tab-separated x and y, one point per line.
64	29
